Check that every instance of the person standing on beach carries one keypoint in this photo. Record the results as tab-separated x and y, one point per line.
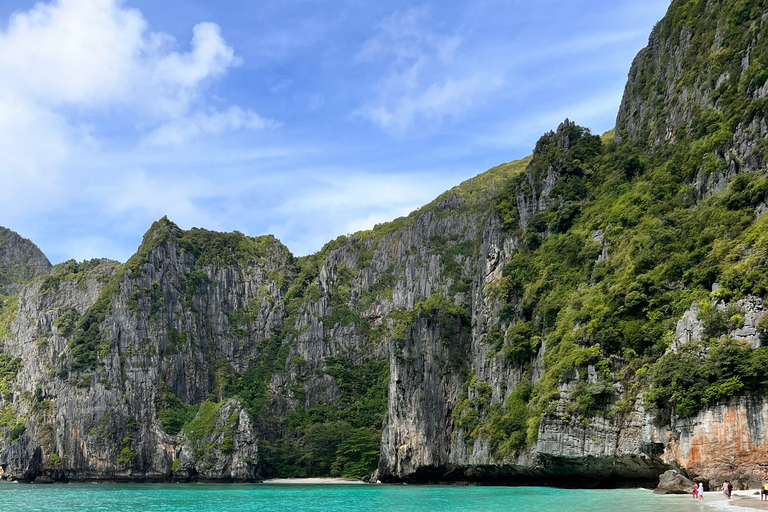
695	491
727	489
701	490
764	489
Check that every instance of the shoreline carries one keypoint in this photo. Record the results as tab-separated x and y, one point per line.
743	500
314	481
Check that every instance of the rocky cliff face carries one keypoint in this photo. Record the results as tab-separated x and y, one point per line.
101	349
520	328
20	260
703	75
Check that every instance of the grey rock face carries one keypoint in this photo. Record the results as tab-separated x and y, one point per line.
672	482
97	421
171	321
691	328
20	260
663	98
228	452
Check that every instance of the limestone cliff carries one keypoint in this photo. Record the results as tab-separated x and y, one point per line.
703	76
591	315
20	260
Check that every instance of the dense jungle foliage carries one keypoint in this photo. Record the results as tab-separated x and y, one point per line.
665	251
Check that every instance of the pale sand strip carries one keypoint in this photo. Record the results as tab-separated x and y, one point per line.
313	481
740	500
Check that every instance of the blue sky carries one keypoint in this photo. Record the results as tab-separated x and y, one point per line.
307	119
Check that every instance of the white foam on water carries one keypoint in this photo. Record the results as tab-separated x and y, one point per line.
728	505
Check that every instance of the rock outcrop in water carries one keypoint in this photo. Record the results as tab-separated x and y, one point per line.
592	315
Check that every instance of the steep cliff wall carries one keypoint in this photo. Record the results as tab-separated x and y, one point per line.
703	77
20	260
590	315
102	347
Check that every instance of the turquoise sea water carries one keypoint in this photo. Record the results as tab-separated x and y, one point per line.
328	498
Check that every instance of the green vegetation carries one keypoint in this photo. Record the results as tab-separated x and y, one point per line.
475	397
712	65
208	247
503	425
9	367
250	387
8	308
340	439
126	457
11	421
89	345
205	424
358	454
706	372
66	322
172	413
76	272
665	252
507	426
54	461
220	249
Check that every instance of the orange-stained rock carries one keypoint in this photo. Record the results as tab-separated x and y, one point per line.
726	441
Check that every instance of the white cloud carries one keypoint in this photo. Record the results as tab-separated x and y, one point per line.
404	36
155	196
185	129
421	79
340	201
71	68
73	51
98	53
281	85
178	77
449	98
586	113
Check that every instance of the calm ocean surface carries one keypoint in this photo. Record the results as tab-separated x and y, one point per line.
327	498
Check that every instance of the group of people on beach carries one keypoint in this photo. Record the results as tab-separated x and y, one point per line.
698	490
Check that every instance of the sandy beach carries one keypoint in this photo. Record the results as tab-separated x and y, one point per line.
314	481
740	500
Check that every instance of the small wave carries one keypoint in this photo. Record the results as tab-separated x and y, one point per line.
727	505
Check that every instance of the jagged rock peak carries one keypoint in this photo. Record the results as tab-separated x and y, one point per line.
565	125
701	77
563	138
20	259
225	247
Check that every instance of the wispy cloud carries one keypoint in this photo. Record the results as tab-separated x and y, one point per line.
338	201
184	129
423	80
449	98
586	113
